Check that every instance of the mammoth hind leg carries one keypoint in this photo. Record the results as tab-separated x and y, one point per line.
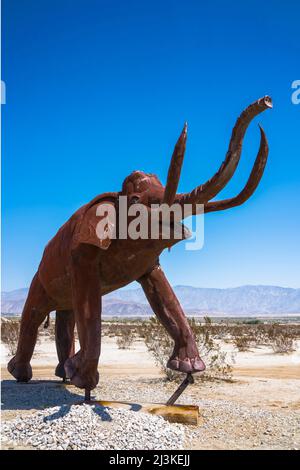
64	339
36	308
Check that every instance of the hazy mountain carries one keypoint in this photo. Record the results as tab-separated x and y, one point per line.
238	301
13	301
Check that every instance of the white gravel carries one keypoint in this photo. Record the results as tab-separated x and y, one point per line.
96	427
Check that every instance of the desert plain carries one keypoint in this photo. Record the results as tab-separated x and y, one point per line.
257	408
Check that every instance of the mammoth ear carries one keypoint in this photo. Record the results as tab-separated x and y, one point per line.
98	225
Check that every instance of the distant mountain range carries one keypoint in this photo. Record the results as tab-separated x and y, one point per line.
238	301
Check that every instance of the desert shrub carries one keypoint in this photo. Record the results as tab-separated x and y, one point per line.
125	337
281	337
110	330
10	334
247	335
160	345
242	343
216	360
47	331
282	344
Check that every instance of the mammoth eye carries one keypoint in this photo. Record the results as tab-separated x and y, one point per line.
134	200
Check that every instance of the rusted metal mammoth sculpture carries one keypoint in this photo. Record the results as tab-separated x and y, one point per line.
78	267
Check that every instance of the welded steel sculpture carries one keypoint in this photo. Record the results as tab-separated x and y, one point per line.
80	265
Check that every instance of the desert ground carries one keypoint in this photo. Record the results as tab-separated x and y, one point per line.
258	408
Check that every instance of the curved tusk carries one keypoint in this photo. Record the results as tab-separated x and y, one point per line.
203	193
252	183
175	168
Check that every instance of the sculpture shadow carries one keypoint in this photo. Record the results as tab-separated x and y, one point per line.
36	395
100	411
41	394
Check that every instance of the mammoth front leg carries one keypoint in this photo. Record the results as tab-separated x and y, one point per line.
64	339
185	357
82	368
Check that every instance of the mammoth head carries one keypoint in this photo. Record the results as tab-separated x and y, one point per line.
142	189
146	189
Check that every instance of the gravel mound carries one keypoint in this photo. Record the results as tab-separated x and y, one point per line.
93	427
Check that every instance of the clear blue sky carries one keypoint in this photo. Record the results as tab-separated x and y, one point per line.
96	89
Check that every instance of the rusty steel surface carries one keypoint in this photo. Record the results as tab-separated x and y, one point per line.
78	267
187	381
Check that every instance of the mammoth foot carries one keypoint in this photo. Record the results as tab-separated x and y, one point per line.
81	373
21	371
183	362
60	371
